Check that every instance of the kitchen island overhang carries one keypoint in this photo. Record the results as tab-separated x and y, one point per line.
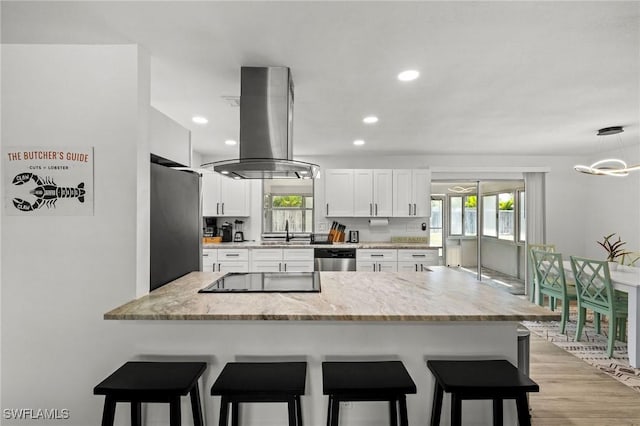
357	315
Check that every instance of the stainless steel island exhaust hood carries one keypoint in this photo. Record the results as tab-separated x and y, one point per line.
266	128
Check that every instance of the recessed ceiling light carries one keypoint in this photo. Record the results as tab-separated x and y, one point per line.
358	142
408	75
370	119
198	119
224	172
230	142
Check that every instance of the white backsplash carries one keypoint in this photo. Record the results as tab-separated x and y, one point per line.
398	227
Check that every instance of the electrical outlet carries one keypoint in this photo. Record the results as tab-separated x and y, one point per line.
346	404
322	227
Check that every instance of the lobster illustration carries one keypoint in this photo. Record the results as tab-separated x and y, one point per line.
47	193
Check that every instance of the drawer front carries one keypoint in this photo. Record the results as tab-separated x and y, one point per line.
209	258
233	255
298	254
233	267
266	266
375	266
266	254
298	266
412	267
418	256
377	255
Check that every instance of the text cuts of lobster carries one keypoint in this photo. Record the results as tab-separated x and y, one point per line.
48	181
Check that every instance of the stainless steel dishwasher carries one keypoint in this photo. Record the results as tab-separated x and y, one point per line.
334	259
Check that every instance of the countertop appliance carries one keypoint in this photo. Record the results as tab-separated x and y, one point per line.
238	237
227	232
354	236
334	259
175	224
266	282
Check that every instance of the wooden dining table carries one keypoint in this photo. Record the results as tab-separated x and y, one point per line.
627	279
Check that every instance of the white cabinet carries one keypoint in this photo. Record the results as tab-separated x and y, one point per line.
410	260
209	259
223	196
281	260
376	260
233	260
372	193
338	192
412	193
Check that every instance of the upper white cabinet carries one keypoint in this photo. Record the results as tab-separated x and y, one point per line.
373	192
338	190
412	193
223	196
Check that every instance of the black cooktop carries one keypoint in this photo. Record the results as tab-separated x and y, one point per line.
266	282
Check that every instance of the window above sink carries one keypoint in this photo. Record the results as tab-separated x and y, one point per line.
287	201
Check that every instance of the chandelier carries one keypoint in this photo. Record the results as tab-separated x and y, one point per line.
608	166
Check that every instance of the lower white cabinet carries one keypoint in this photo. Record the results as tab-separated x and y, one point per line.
377	260
232	260
209	259
282	260
410	260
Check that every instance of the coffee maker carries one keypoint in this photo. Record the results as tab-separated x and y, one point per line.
209	228
226	230
238	237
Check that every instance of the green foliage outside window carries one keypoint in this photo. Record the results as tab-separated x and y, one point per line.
506	205
287	201
471	201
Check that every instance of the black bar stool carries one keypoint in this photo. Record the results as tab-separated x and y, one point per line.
260	382
137	382
482	379
367	381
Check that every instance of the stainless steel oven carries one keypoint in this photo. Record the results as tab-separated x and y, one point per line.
334	259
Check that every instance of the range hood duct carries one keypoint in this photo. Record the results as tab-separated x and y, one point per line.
266	128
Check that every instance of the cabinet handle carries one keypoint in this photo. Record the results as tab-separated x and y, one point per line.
279	267
219	267
416	267
217	208
222	208
418	255
327	209
370	209
205	255
232	254
421	267
415	210
374	267
376	209
379	267
409	209
285	267
377	255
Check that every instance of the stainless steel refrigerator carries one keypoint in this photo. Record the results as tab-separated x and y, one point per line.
176	224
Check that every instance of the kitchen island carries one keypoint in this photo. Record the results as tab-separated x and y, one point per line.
357	315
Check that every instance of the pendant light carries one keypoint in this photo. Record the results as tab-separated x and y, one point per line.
608	166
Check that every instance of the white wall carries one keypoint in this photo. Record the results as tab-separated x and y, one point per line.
61	274
168	139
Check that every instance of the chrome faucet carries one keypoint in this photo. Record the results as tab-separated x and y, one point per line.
287	238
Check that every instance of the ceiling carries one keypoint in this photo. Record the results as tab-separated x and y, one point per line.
532	78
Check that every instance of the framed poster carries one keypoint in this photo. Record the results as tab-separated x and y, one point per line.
48	181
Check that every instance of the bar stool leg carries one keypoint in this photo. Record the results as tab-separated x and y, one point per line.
109	411
497	412
402	401
393	413
299	410
523	410
196	407
335	411
235	413
174	411
291	405
436	407
136	413
224	412
456	410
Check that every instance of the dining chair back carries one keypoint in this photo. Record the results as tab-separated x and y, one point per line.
552	282
595	292
532	272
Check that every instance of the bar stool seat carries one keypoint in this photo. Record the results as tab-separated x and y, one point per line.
241	382
482	379
367	381
137	382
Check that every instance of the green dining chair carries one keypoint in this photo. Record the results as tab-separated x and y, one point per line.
552	282
595	292
532	272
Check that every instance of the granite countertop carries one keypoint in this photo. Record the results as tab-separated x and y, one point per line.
443	294
294	244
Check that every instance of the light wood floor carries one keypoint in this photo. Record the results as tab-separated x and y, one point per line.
574	393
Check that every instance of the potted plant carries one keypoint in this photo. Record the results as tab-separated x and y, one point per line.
614	249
